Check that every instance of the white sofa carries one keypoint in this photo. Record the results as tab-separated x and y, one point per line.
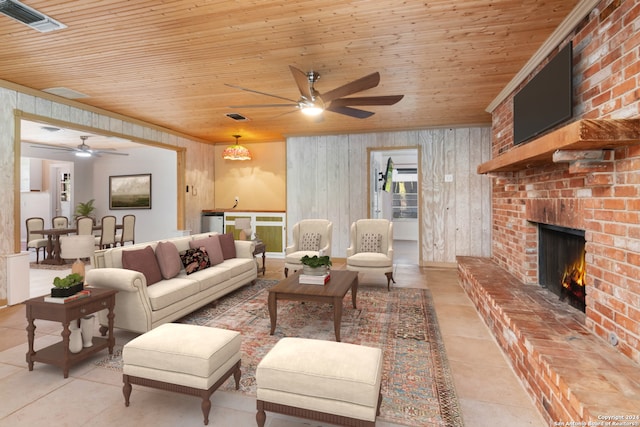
140	308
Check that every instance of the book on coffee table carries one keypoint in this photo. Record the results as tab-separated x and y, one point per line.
308	279
63	300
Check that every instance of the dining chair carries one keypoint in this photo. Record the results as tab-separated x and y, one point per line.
128	230
36	240
60	222
107	237
84	225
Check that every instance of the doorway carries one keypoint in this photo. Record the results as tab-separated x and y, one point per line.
394	195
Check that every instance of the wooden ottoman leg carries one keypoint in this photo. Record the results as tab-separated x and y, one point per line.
236	375
261	417
126	389
206	405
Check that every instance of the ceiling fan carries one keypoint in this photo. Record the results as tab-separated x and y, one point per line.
82	150
313	103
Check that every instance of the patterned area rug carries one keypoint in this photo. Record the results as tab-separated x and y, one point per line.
417	386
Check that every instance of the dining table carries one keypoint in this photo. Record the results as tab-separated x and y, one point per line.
53	242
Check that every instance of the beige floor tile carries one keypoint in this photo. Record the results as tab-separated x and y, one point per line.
490	394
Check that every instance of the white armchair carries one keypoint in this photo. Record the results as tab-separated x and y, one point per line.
310	237
371	248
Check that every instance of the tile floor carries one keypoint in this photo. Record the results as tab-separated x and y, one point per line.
489	392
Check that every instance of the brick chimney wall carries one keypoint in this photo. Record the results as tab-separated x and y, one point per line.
604	201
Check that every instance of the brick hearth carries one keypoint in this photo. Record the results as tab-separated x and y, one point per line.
570	373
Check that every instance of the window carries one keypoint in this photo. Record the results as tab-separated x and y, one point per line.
405	193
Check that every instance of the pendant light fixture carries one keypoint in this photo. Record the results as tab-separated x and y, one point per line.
236	151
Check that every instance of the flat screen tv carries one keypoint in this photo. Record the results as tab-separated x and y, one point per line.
386	182
546	100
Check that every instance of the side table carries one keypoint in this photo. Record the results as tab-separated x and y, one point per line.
261	248
58	354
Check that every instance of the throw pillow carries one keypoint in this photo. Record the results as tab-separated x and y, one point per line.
212	245
168	259
228	245
195	260
144	261
371	242
310	242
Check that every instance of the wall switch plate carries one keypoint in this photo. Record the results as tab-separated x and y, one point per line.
448	178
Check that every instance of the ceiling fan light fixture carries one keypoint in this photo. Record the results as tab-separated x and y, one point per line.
236	151
83	154
311	110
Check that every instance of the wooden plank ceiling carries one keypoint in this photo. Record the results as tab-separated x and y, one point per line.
168	62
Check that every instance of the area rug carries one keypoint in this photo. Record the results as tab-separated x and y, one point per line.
417	386
66	266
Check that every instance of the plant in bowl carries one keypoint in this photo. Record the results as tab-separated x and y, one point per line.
67	286
315	265
85	208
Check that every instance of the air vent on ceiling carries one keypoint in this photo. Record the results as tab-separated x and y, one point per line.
29	16
236	116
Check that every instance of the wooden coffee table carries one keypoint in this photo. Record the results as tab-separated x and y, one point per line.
332	293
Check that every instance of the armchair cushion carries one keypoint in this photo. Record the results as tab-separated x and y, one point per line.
310	242
371	242
369	260
144	261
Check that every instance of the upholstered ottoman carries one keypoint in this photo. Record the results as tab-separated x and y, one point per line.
326	381
188	359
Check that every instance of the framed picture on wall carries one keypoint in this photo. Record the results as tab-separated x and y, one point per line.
130	191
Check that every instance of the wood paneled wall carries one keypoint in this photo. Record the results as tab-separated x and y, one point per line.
327	178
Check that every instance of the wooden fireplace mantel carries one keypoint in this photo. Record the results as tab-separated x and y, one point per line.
585	134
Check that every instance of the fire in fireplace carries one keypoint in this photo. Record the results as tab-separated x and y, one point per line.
562	263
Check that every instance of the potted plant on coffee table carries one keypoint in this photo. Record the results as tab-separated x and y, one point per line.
315	265
67	286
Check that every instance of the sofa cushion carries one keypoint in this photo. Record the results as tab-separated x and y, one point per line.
371	242
195	260
369	259
144	261
212	245
168	259
170	291
228	245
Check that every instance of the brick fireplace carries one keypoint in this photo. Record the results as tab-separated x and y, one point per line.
582	175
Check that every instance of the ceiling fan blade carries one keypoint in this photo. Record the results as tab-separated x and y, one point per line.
361	84
302	81
263	105
99	152
51	147
258	92
367	100
348	111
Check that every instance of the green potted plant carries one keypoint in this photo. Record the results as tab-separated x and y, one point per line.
86	208
315	265
67	286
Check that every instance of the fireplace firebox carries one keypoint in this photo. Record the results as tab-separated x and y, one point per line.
561	263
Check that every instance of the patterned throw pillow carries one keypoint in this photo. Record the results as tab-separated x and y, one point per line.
371	242
310	242
195	260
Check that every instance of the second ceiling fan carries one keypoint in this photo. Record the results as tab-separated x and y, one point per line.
313	103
